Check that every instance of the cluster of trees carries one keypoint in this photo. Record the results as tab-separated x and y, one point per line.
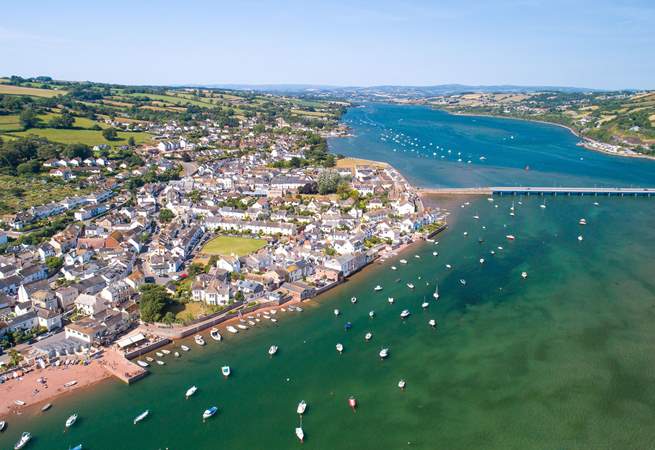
318	153
154	299
328	182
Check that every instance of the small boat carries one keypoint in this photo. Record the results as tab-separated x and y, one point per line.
462	281
336	312
300	433
209	412
368	336
166	351
46	407
71	421
199	340
352	402
215	335
299	309
20	402
596	203
3	425
184	348
189	392
448	266
70	383
266	316
142	363
231	329
410	285
159	354
371	314
176	354
404	314
580	238
377	288
435	253
394	268
149	359
226	371
390	300
77	447
435	294
160	362
401	384
582	221
141	416
251	323
273	319
384	353
24	439
283	309
242	326
417	256
424	305
466	233
272	350
348	326
481	260
403	261
340	348
524	275
353	300
510	237
302	406
432	323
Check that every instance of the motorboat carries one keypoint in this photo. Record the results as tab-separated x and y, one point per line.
70	383
417	256
510	237
215	335
384	353
368	336
377	288
252	323
462	281
424	305
142	363
71	421
410	285
273	319
209	412
242	326
448	266
336	312
226	371
160	362
340	348
159	354
231	329
302	406
20	402
77	447
176	354
299	309
184	348
394	268
582	221
435	253
189	392
481	260
466	233
580	238
352	402
24	439
371	314
401	384
300	433
432	323
272	350
390	300
348	326
46	407
3	425
405	314
199	339
403	261
141	416
353	300
166	351
524	275
435	294
150	359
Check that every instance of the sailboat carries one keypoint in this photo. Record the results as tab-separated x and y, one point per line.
384	353
368	336
71	420
209	412
432	323
543	205
22	442
435	294
192	390
272	350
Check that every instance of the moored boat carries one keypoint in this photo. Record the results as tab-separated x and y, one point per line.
3	425
215	335
272	350
209	412
371	314
226	371
159	354
390	300
166	351
403	261
401	384
424	305
300	433
20	402
22	442
339	348
141	416
410	285
71	421
368	336
142	363
524	275
384	353
352	402
242	326
510	237
231	329
462	281
353	300
302	406
404	314
160	362
184	348
432	323
377	288
199	340
336	312
189	392
348	326
46	407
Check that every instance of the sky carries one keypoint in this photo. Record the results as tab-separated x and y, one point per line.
596	44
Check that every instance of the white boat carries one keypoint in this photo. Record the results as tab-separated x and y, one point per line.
368	336
283	309
215	335
435	294
462	281
231	329
3	425
390	300
353	300
448	266
466	233
424	305
149	359
481	260
405	314
401	384
510	237
596	203
166	351
524	275
159	354
142	363
300	433
394	268
266	316
176	354
410	285
199	339
302	406
226	371
70	383
45	407
160	362
189	392
403	261
377	288
71	420
580	238
582	221
273	319
141	416
371	314
20	402
299	309
242	326
432	323
252	323
272	350
209	412
340	348
435	253
24	439
417	256
384	353
336	312
184	348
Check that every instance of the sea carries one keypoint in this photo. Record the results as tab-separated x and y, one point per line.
560	357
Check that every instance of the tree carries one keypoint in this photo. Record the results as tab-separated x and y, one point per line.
239	297
168	318
328	181
66	120
166	215
28	118
195	269
14	357
110	134
28	168
53	263
154	299
77	151
131	142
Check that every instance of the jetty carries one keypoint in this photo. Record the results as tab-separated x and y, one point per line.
532	190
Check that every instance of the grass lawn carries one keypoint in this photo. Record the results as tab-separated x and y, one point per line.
18	193
186	311
33	92
88	137
226	245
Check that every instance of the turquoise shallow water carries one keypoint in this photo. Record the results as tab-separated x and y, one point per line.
562	359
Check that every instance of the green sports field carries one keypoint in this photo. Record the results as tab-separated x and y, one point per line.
226	245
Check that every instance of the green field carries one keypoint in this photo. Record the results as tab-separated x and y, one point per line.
88	137
226	245
10	123
18	193
32	92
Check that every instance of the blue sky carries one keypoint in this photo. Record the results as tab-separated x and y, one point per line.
600	44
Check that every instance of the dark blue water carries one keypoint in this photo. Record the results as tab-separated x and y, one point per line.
416	140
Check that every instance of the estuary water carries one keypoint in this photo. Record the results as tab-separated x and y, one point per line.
560	359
